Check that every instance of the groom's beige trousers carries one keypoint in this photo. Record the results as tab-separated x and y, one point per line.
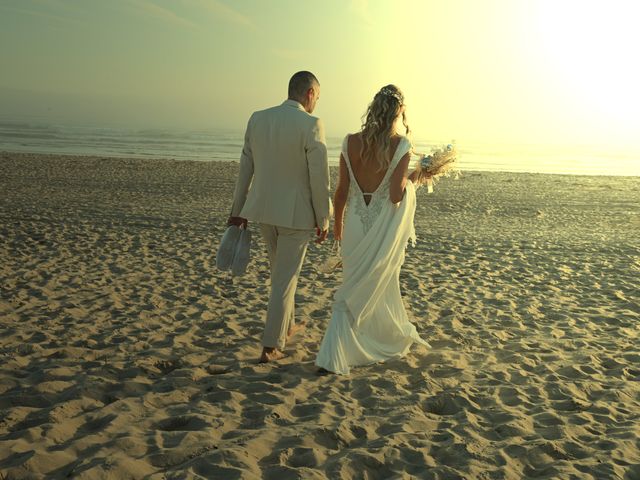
286	248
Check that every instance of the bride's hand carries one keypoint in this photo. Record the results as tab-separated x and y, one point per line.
418	178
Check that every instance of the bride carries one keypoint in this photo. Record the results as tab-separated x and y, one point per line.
369	323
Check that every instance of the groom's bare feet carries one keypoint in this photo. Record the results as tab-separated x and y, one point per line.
295	329
270	354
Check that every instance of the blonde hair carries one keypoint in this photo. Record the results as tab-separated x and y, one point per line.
378	125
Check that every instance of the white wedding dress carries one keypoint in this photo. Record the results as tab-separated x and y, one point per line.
369	323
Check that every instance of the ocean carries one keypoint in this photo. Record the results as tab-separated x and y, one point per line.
219	145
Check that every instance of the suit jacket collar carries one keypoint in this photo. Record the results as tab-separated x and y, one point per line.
294	104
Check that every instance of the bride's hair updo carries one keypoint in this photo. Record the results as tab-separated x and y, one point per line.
379	123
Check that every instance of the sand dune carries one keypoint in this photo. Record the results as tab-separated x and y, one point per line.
125	354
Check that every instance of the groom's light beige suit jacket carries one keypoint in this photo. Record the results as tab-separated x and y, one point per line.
284	171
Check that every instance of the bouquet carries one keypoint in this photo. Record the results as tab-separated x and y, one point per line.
440	162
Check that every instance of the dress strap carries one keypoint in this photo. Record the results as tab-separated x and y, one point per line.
404	146
345	154
345	144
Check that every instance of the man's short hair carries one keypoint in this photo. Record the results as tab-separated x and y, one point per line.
300	83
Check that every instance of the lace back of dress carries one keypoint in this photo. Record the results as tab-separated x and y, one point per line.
368	212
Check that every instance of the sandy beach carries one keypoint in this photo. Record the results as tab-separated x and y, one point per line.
126	354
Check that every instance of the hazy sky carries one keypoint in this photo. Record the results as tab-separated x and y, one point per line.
532	71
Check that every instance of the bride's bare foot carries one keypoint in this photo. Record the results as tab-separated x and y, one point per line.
295	329
270	354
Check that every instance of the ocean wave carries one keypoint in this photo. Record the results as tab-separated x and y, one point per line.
227	146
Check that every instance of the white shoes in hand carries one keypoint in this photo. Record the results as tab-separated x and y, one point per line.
234	251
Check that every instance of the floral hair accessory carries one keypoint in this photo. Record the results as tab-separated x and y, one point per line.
387	92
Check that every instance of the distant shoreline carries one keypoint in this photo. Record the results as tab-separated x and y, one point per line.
212	145
332	164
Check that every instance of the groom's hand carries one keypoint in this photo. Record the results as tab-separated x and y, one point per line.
322	235
237	221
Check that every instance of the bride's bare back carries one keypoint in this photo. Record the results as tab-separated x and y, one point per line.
364	171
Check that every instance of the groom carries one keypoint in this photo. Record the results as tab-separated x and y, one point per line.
285	155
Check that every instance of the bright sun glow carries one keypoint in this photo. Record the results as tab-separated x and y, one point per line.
505	76
591	49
